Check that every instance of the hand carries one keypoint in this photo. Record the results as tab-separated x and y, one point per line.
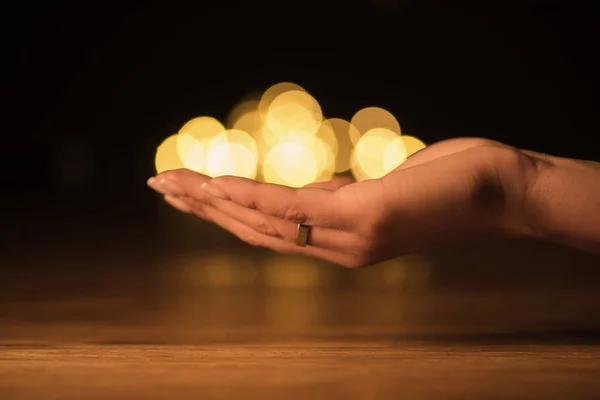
454	190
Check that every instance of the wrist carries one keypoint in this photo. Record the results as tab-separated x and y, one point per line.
563	202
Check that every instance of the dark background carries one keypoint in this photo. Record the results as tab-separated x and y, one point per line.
91	88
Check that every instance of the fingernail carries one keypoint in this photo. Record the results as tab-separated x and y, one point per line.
171	187
213	190
153	183
165	186
178	203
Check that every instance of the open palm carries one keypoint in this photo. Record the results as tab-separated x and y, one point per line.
451	190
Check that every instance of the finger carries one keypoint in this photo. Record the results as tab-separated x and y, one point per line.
188	182
310	206
164	186
332	184
187	205
252	237
444	148
179	203
264	224
287	231
177	182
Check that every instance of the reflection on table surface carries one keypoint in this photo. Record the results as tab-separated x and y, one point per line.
308	369
245	323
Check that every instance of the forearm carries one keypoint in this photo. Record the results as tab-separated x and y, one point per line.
563	202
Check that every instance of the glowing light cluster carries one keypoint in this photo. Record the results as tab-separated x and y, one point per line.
284	138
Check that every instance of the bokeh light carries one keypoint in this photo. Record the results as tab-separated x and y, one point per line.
410	270
412	144
293	272
232	152
273	92
217	269
394	154
242	108
283	137
191	152
375	117
192	141
167	157
294	112
229	270
347	137
249	122
291	163
378	152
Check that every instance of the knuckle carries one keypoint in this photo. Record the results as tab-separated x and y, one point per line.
248	202
245	198
207	201
198	208
294	214
264	227
199	212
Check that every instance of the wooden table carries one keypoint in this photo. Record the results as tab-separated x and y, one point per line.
220	345
356	369
125	333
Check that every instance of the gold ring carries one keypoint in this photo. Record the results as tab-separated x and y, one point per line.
302	235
